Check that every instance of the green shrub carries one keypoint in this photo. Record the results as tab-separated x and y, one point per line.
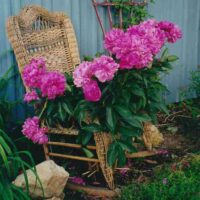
177	182
5	106
195	85
12	161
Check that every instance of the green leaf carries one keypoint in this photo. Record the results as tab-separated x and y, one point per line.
81	117
164	54
124	111
128	146
67	107
164	108
172	58
145	82
112	153
159	106
61	113
129	132
137	76
80	107
128	116
88	153
86	137
121	156
138	92
4	157
1	122
143	117
50	107
111	118
19	194
5	145
93	128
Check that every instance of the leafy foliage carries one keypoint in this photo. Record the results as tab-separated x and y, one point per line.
124	107
11	164
5	106
195	85
178	182
131	14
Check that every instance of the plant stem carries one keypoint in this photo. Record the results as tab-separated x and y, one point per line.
43	109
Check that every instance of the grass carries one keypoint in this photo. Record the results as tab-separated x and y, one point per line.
172	182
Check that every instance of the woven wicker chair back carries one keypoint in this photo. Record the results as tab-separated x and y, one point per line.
36	32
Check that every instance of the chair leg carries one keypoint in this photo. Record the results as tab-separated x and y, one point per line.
46	152
102	142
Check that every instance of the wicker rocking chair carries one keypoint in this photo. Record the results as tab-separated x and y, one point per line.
35	33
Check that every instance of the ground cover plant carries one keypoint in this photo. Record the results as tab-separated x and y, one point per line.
177	181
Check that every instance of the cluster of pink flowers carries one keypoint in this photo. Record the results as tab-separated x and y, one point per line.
31	96
136	47
32	131
50	84
33	72
172	31
102	68
35	76
53	84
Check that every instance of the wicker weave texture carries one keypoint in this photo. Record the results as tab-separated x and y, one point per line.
35	33
103	141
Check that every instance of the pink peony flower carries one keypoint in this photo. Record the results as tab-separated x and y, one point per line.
53	84
172	31
40	137
112	38
33	72
32	131
92	91
152	36
132	50
134	53
104	68
30	127
82	74
77	180
31	96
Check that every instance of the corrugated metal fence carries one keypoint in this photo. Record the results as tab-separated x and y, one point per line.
186	13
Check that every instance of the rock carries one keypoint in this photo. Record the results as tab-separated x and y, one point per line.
55	198
58	198
52	177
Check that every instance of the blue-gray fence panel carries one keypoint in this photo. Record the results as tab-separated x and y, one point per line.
186	13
